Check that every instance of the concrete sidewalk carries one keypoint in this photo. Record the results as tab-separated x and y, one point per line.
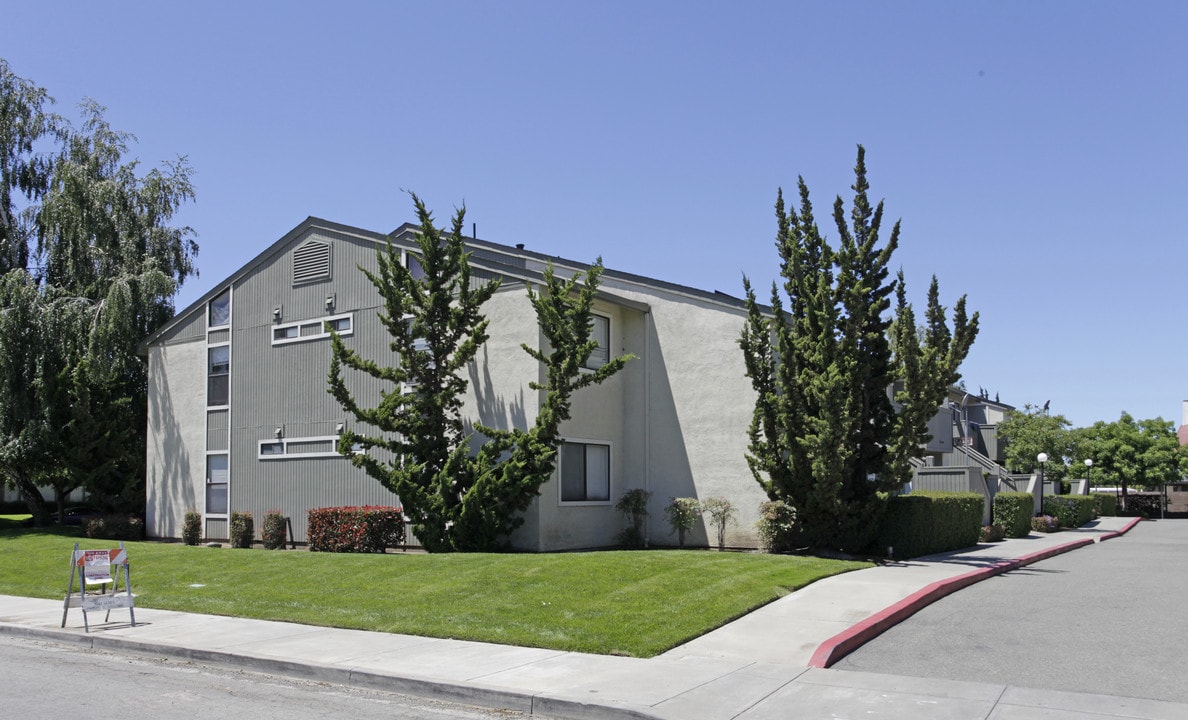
771	663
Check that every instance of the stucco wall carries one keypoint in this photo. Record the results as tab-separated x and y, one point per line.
176	449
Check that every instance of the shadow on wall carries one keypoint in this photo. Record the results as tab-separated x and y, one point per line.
667	457
493	410
169	488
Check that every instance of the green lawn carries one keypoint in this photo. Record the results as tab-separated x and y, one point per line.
626	603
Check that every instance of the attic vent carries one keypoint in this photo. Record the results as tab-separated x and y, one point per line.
311	262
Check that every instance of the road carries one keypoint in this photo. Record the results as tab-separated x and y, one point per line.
1108	618
49	680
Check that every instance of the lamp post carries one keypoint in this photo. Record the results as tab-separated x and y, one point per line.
1088	469
1042	458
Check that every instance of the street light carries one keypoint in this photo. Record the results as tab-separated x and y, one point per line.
1088	469
1042	458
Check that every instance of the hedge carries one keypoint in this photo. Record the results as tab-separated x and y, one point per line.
1106	504
1013	511
243	529
923	523
1072	511
1144	505
114	527
355	529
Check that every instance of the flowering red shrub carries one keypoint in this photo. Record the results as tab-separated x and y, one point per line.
371	528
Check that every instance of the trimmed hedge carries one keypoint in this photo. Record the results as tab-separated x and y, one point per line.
243	529
1072	511
192	528
924	523
1013	511
273	533
1144	505
355	529
1106	504
114	527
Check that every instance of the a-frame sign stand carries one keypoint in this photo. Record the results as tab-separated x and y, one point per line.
99	568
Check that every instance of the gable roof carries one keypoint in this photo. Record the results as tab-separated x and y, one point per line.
507	261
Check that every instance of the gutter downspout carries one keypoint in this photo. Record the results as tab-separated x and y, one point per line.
647	436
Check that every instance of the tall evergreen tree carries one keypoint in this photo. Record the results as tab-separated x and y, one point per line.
825	436
927	362
462	492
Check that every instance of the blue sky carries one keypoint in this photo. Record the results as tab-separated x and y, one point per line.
1034	151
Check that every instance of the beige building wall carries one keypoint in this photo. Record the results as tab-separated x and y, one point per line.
176	454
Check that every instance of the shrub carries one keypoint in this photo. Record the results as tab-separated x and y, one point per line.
192	528
1013	511
1045	524
1146	505
682	515
924	523
722	513
993	533
114	527
355	529
273	533
1106	504
777	526
634	506
1071	511
243	529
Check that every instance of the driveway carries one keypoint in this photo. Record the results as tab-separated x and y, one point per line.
1109	618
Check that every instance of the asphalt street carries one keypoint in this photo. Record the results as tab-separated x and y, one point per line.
52	680
1109	618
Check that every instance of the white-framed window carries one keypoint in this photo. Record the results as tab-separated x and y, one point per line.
219	310
218	379
314	329
413	263
599	331
321	446
217	474
584	470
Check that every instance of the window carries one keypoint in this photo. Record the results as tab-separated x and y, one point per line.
585	472
314	329
217	386
216	484
413	263
600	331
219	313
306	447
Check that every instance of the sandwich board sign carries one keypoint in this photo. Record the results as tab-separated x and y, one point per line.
98	569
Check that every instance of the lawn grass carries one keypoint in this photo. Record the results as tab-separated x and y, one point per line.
636	603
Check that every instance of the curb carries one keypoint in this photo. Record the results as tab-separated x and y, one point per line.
847	641
471	694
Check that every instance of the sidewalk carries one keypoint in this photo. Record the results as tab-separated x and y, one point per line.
771	663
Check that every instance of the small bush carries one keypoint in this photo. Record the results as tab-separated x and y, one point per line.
1106	504
1045	524
114	527
777	526
355	529
192	528
722	513
273	533
993	533
1013	511
1146	505
634	506
924	523
243	529
682	515
1071	511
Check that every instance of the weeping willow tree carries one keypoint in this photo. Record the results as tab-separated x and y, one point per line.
90	263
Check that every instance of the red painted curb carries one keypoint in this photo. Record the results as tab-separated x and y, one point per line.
847	641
